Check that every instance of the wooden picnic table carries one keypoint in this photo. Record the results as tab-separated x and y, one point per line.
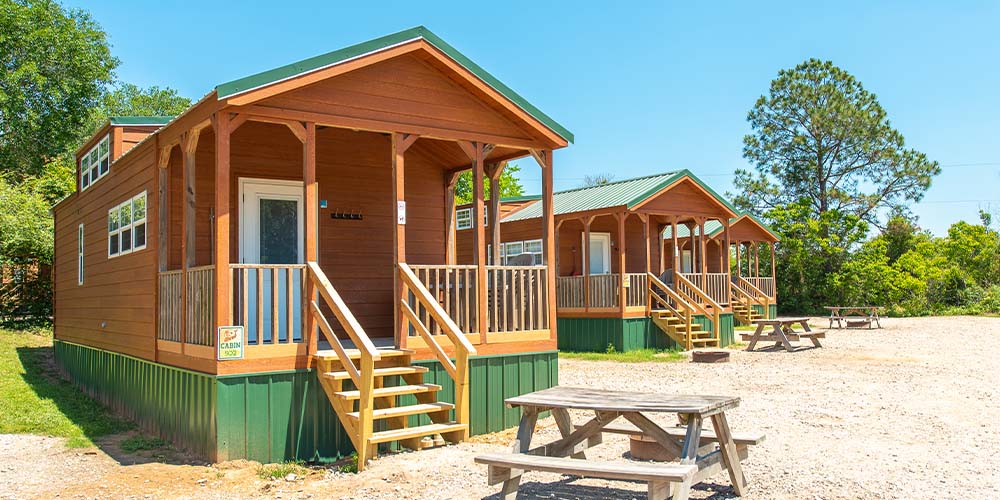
783	332
866	315
701	454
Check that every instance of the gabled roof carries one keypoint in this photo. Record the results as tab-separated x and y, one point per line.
315	63
714	227
628	193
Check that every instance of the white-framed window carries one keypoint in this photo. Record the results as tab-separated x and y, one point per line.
95	163
127	226
514	248
79	255
463	218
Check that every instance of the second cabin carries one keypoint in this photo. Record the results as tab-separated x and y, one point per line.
641	263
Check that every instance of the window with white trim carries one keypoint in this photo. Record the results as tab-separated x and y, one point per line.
79	255
512	249
463	218
127	226
95	163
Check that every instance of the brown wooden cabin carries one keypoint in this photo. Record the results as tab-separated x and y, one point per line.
311	205
753	295
597	303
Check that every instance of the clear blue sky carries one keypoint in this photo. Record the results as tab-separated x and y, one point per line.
645	87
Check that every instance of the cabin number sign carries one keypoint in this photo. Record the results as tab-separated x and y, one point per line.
230	343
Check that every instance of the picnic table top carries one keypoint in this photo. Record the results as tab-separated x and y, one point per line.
837	308
582	398
774	321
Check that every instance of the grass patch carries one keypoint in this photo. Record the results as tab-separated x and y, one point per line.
137	443
282	470
351	467
34	400
638	356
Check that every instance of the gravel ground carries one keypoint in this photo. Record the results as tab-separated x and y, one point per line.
910	411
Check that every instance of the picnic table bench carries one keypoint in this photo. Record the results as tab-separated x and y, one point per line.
854	316
701	453
783	333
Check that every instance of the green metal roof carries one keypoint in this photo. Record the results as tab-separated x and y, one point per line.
527	197
714	227
140	120
629	192
355	51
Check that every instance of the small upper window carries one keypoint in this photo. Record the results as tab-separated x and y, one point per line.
127	226
463	218
79	255
95	163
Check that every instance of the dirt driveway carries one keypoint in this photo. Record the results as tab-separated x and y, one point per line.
911	411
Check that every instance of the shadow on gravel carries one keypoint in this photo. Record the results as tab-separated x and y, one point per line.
565	489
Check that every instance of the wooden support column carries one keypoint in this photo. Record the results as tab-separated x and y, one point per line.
726	267
162	207
479	240
450	181
549	234
645	238
702	254
756	259
311	202
773	275
739	258
189	144
222	305
585	254
400	143
676	251
622	291
493	214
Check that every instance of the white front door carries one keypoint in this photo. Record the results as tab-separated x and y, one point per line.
599	253
271	232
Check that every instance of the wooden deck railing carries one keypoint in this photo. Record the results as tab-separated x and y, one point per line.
671	301
636	290
518	298
604	290
171	313
699	300
454	288
200	297
459	370
569	292
267	302
715	285
764	284
749	296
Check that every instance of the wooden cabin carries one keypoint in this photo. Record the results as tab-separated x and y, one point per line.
752	295
271	275
615	284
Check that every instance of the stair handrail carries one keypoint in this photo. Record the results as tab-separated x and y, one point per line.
750	298
716	313
654	285
750	287
459	370
369	354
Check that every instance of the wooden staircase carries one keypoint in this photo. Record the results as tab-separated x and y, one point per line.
743	297
677	329
365	384
744	312
673	314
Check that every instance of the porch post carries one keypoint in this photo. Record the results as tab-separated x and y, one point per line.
621	261
222	304
450	181
189	144
756	259
772	262
479	241
726	267
694	246
585	253
493	214
400	143
739	258
162	206
645	238
673	237
549	237
310	196
701	252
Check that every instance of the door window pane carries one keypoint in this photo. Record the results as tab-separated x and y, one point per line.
279	231
599	254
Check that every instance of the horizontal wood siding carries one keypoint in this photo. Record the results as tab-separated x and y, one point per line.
114	309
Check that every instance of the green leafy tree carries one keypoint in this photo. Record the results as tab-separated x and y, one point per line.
127	99
598	179
509	185
56	64
25	225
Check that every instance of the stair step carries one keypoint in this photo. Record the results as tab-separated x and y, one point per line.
356	354
403	411
381	372
415	432
391	391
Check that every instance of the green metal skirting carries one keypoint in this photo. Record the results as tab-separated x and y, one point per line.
272	417
772	310
626	334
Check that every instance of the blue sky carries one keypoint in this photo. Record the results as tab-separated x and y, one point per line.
646	87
